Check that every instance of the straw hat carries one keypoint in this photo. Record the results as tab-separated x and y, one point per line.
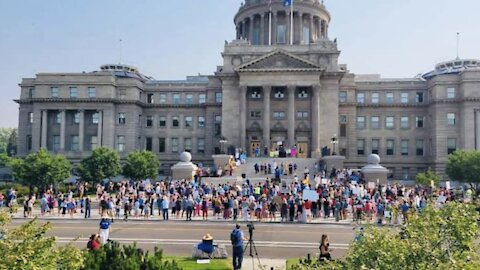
207	237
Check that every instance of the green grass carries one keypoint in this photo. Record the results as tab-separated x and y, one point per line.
187	263
291	262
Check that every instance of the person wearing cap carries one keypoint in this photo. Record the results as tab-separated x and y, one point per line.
104	231
238	247
207	244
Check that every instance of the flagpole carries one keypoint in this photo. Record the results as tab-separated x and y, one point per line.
270	26
291	23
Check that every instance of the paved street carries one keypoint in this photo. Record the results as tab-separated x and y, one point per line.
276	241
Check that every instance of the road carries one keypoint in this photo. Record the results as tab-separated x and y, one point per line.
275	241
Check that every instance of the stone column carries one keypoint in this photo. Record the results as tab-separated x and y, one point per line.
243	117
63	117
477	129
274	28
300	15
44	129
250	34
100	128
289	28
312	29
81	130
266	115
316	121
319	28
262	29
291	115
243	29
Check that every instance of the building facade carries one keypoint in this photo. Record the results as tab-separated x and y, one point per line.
280	85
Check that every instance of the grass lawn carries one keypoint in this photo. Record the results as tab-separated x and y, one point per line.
191	264
291	262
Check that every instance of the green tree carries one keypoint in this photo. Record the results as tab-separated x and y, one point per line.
141	165
4	160
28	247
425	179
464	166
41	169
5	134
12	143
103	163
444	238
113	256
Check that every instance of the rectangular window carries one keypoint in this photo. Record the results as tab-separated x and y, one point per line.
451	145
404	122
92	92
279	94
404	147
302	94
200	145
121	118
360	122
148	144
389	97
281	34
390	122
390	147
375	146
93	142
149	121
162	122
176	99
451	119
54	92
419	147
56	143
30	117
361	147
123	94
302	115
278	115
218	97
75	146
375	98
419	121
451	92
73	92
95	118
76	118
188	121
342	96
189	99
419	97
161	145
187	144
174	145
255	114
405	173
201	121
120	143
202	99
29	143
361	98
306	35
218	125
162	98
150	99
31	92
343	125
175	121
404	97
375	122
58	118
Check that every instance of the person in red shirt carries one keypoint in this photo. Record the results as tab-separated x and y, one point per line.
94	242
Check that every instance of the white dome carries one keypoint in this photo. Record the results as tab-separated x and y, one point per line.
185	157
373	159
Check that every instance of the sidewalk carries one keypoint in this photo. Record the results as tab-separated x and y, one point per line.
96	216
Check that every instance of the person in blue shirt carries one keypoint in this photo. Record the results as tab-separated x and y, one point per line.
238	247
104	231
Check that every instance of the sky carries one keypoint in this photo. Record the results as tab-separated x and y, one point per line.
170	39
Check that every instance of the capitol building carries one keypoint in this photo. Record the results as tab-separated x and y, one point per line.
280	86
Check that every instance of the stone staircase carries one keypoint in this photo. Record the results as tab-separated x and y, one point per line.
249	170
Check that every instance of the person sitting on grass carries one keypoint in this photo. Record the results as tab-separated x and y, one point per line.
207	245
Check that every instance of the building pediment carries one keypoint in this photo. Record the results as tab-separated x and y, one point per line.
278	60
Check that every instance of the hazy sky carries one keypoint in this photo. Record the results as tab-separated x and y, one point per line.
169	39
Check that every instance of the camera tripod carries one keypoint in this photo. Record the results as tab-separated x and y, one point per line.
251	245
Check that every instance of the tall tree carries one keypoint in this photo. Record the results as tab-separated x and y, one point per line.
41	169
141	165
464	166
103	163
12	143
4	160
427	178
5	134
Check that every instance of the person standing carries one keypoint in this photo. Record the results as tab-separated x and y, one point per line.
88	207
237	239
104	231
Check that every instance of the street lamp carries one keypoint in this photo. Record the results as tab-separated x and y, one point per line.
334	141
222	141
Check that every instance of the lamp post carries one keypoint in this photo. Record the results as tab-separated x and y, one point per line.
222	141
334	141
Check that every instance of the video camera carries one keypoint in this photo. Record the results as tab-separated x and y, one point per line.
250	226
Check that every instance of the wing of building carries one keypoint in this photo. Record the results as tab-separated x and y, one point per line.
280	85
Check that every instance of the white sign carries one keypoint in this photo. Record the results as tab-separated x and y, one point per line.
371	185
310	195
324	181
447	185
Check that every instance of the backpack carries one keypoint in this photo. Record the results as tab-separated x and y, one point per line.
235	237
